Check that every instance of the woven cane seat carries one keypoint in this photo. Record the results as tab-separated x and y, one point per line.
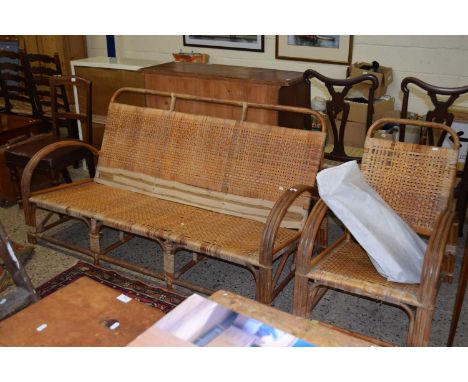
348	268
228	237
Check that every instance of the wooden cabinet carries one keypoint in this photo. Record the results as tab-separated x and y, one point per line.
109	74
240	83
68	47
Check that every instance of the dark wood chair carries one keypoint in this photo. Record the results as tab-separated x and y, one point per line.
56	163
24	293
17	85
337	104
42	68
422	194
440	114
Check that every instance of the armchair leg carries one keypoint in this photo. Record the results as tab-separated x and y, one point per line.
264	287
422	327
301	296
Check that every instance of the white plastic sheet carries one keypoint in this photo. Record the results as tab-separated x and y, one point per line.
394	248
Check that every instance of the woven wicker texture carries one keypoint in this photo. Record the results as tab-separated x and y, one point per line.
348	268
240	158
228	237
415	180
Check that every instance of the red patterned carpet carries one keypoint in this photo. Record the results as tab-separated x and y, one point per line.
156	297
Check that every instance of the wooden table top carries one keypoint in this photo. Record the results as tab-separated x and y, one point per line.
79	314
261	75
313	331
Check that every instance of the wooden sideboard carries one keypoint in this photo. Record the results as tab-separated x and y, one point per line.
69	47
258	85
109	74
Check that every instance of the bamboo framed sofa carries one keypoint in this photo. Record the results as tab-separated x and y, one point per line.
227	189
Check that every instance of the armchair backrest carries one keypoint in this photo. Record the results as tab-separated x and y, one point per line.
440	113
417	181
58	87
337	104
18	85
43	67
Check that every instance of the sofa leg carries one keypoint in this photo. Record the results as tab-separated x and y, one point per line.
95	239
31	224
169	264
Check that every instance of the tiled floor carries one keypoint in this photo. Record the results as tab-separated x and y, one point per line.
360	315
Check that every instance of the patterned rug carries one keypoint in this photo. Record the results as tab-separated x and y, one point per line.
154	296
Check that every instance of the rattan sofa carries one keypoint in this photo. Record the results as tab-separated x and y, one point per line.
227	189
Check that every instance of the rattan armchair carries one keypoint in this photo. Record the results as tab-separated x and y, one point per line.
417	181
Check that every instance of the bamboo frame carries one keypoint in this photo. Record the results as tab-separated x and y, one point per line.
311	282
268	282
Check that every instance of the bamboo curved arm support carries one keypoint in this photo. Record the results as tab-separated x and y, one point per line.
309	236
275	218
34	161
434	256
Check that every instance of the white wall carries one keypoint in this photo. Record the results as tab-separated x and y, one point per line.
439	60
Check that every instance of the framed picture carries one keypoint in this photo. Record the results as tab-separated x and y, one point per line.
331	49
254	43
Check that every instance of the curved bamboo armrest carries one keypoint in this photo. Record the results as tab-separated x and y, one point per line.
275	218
36	158
434	255
309	236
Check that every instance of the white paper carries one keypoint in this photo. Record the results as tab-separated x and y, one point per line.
396	251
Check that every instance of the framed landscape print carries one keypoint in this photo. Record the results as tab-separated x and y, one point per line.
333	49
238	42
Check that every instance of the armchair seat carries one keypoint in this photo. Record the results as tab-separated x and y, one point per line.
348	267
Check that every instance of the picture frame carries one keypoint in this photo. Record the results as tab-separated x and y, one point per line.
330	49
254	43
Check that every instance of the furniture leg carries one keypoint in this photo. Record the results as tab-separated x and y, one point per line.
422	327
30	220
264	287
169	263
16	182
66	176
301	294
94	239
91	166
460	296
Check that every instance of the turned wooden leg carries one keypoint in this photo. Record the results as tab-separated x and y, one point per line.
95	239
169	263
16	183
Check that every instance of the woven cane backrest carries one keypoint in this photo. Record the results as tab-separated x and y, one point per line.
415	180
237	168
